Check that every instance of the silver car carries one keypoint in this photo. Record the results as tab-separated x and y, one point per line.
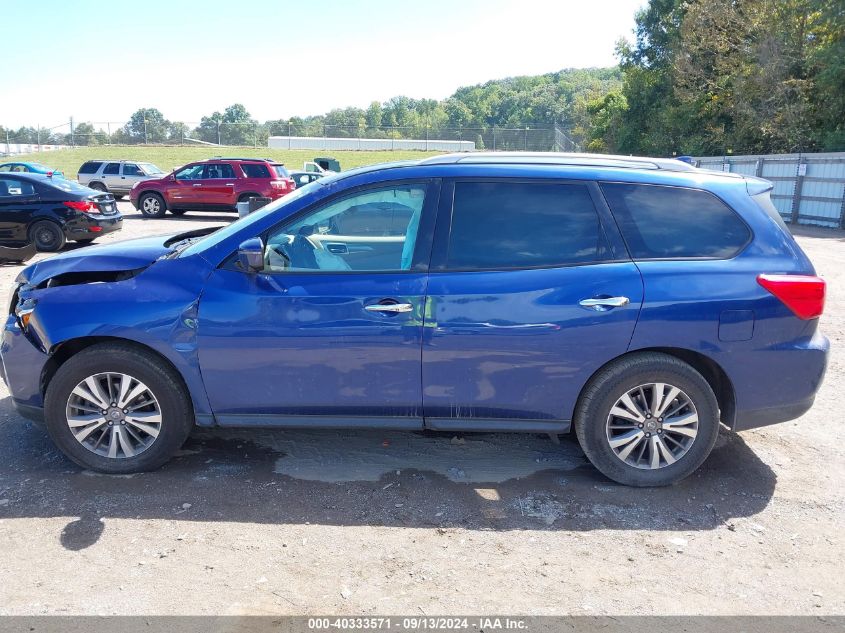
116	176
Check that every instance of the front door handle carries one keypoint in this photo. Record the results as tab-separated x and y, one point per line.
393	308
600	304
197	185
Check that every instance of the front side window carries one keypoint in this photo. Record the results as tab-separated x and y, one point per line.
111	169
130	169
506	225
374	230
255	170
13	188
660	222
191	172
5	167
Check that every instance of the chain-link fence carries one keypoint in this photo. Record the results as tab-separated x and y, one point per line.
254	134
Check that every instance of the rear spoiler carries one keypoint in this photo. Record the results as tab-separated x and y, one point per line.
755	185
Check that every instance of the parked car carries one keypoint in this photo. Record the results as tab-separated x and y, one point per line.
116	176
640	302
31	168
48	212
217	184
302	178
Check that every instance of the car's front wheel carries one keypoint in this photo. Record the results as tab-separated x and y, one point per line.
116	408
648	419
152	205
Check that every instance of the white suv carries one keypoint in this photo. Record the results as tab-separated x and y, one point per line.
116	176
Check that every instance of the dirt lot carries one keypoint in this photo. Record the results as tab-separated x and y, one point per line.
304	522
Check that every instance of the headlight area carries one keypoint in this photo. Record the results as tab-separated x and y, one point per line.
24	310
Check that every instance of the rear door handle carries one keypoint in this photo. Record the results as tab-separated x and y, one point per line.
197	185
393	308
600	304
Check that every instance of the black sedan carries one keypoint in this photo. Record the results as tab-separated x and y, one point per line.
47	212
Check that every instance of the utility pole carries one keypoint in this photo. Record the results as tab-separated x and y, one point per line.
218	132
72	140
145	130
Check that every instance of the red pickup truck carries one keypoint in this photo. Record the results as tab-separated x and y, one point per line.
217	184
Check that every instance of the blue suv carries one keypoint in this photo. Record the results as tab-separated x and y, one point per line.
638	301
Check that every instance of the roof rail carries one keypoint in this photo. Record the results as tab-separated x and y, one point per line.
269	160
558	158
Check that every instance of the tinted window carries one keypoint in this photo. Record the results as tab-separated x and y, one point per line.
660	222
90	167
255	170
373	230
131	170
523	225
5	168
11	187
112	169
281	171
219	170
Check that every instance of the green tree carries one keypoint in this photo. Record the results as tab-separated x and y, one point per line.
146	125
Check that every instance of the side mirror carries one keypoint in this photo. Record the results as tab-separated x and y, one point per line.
251	254
172	177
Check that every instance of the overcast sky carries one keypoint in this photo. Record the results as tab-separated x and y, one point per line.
100	60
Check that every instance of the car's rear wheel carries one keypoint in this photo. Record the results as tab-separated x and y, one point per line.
98	186
47	236
115	408
648	419
152	205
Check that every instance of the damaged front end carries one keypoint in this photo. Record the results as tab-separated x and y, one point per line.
134	291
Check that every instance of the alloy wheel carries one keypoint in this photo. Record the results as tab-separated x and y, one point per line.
114	415
652	426
151	205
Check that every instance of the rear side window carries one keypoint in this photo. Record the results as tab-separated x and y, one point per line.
130	169
281	171
112	169
11	188
218	170
90	167
660	222
523	225
255	170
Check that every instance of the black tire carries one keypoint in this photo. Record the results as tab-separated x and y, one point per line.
178	211
611	383
47	236
166	385
119	196
98	186
86	241
152	205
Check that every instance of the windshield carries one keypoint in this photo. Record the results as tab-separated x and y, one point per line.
150	169
238	225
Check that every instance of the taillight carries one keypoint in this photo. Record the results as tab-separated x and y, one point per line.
803	294
86	206
283	185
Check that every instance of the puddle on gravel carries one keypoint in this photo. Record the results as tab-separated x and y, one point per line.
337	456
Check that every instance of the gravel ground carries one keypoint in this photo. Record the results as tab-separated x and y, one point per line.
305	522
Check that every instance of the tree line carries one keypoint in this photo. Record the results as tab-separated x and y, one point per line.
711	77
701	77
518	102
